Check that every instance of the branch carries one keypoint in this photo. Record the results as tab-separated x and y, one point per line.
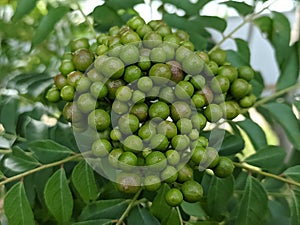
246	20
21	175
271	175
86	19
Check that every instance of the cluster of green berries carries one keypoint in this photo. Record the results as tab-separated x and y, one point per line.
148	95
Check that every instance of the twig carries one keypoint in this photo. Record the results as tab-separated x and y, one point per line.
266	174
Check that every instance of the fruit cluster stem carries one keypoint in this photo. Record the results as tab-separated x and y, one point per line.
266	174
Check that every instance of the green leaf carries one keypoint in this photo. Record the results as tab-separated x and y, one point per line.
269	158
203	223
265	25
191	9
9	113
295	217
58	197
33	129
220	190
235	58
19	161
47	151
141	216
95	222
257	84
232	144
24	7
172	218
241	57
106	17
289	69
122	4
254	203
280	213
63	134
84	181
283	114
293	173
241	7
16	206
255	133
110	209
281	30
160	207
5	143
213	22
47	23
193	209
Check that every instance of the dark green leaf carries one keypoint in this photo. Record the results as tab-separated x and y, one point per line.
159	207
214	22
5	143
172	218
19	161
295	207
265	25
293	173
289	69
280	38
106	17
242	8
9	113
231	144
84	181
122	4
33	129
269	158
191	9
279	213
63	134
141	216
235	58
47	151
110	209
203	223
255	133
220	190
47	24
241	57
37	89
253	205
58	196
193	209
16	206
257	84
283	114
24	7
95	222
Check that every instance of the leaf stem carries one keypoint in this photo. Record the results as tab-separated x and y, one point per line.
245	21
86	19
21	175
276	94
179	214
271	175
130	206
